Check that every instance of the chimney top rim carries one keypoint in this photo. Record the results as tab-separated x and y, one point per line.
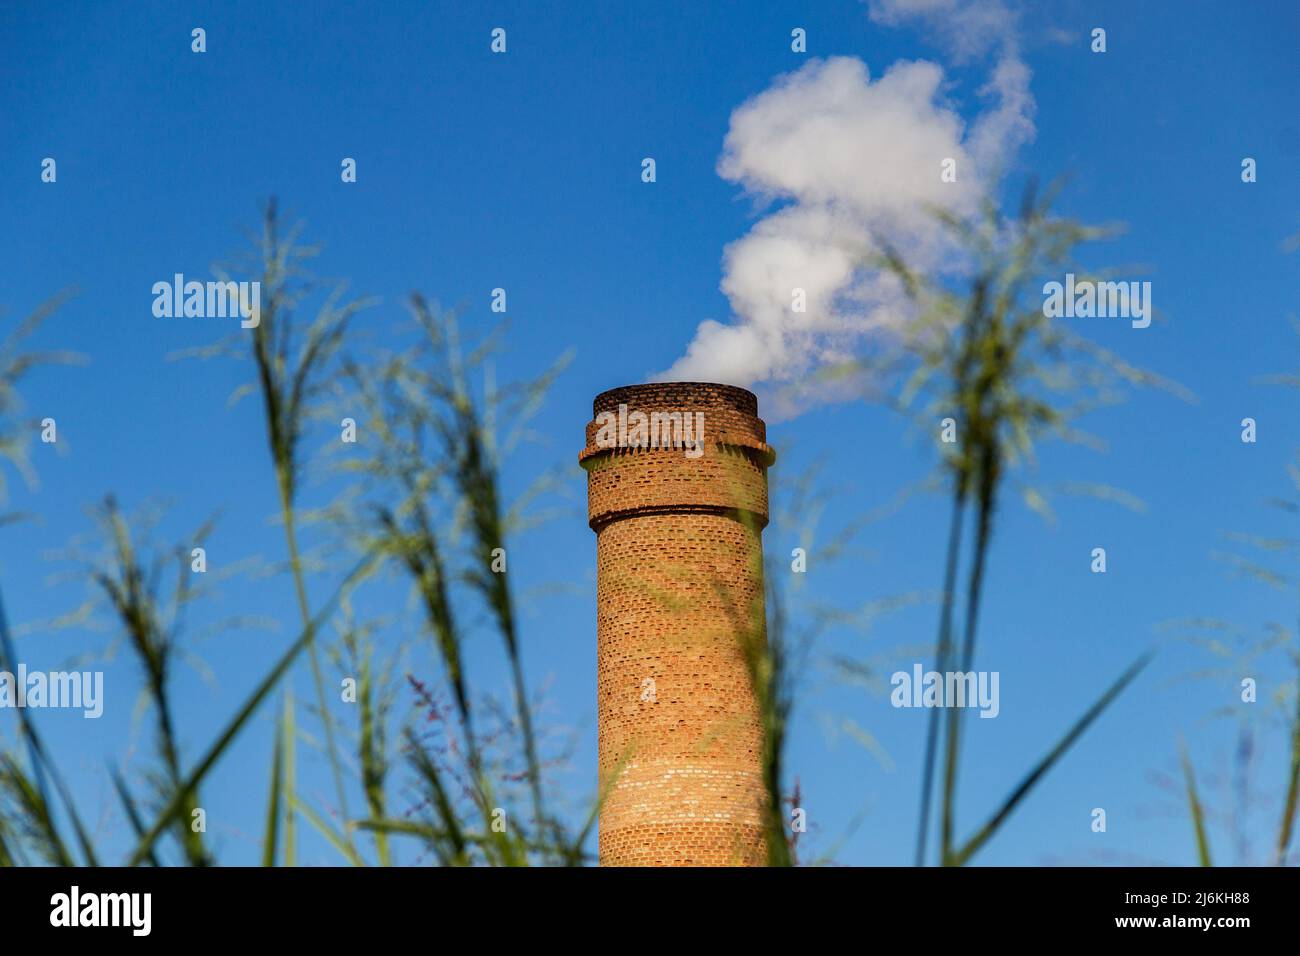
744	399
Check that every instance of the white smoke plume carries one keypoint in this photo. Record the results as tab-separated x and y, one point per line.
851	163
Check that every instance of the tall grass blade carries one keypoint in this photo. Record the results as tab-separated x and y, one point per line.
1293	786
218	748
962	855
942	654
1197	812
271	839
40	762
130	809
35	811
289	741
325	830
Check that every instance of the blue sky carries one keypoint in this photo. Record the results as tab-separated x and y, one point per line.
523	171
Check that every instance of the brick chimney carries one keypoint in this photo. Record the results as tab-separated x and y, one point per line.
679	580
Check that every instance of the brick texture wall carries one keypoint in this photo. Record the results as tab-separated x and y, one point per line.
679	586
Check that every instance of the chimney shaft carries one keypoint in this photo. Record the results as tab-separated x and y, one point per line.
679	591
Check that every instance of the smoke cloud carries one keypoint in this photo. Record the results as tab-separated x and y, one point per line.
846	163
